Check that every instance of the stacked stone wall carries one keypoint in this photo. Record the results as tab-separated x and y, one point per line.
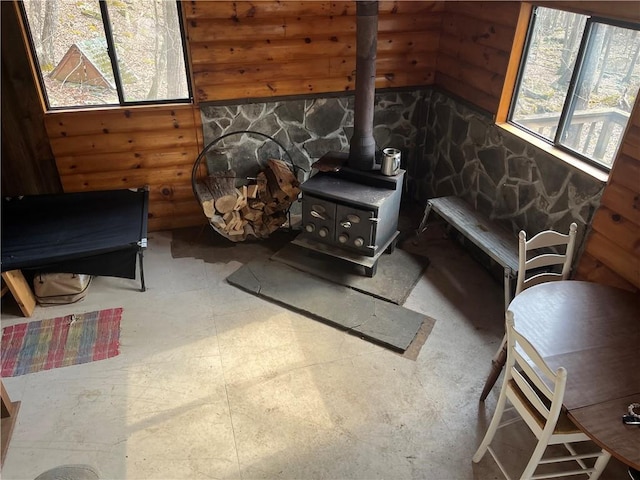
510	180
310	127
448	148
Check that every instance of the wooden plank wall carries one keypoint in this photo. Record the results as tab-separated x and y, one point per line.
237	50
475	44
264	49
612	252
129	148
28	166
260	49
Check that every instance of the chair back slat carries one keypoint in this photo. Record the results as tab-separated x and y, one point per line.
541	278
533	397
543	388
536	393
545	260
547	238
531	257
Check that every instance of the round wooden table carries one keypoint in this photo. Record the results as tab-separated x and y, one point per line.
594	332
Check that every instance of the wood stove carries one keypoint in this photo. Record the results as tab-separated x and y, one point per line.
351	214
349	209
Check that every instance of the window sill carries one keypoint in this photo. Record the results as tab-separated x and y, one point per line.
562	156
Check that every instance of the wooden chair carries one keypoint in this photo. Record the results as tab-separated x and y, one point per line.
536	263
531	258
536	393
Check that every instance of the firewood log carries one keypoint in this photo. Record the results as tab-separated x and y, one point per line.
284	178
241	199
226	203
251	214
249	231
261	181
256	204
206	200
257	209
222	187
218	222
252	190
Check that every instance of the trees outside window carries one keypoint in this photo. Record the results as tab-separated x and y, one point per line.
112	52
578	82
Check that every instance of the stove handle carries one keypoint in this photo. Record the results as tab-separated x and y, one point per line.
374	219
318	215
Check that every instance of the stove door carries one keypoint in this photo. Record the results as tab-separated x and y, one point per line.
319	218
356	229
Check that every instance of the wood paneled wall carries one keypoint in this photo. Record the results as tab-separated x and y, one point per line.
28	166
475	44
130	148
261	49
612	252
237	50
477	37
241	50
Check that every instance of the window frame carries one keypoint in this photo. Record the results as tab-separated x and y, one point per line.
113	57
576	76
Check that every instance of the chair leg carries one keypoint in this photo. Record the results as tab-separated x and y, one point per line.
143	287
534	461
493	426
497	364
600	465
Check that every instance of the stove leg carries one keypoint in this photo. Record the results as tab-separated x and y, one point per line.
371	271
392	246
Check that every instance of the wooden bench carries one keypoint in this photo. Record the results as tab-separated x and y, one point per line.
496	241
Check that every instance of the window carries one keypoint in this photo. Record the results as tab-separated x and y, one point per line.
577	83
113	52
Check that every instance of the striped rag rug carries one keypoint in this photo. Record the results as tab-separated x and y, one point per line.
60	342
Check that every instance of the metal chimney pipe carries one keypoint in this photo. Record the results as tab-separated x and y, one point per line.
362	148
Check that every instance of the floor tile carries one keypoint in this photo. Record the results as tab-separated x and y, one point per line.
212	382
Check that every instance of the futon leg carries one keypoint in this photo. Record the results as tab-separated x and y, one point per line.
143	288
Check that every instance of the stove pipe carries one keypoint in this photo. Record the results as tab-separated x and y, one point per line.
362	148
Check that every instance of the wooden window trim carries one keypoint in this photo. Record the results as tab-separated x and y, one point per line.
27	46
506	97
517	49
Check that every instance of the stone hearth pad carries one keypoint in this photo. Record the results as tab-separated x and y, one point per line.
397	272
376	320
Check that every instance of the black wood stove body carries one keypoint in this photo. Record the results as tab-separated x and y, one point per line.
351	211
351	214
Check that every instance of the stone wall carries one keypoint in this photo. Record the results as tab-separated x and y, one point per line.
501	175
447	148
308	128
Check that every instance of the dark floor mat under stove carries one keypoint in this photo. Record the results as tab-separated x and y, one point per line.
376	320
396	276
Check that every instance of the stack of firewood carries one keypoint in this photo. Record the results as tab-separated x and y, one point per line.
256	209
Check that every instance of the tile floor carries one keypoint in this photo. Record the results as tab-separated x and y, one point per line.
212	382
